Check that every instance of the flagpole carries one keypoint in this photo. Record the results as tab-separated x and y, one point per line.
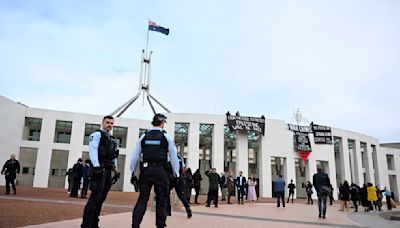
147	41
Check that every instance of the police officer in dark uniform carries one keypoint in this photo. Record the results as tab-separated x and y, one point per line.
103	153
10	169
156	146
179	189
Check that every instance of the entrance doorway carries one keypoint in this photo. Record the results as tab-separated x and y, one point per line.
27	159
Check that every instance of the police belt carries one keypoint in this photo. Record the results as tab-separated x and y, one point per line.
153	164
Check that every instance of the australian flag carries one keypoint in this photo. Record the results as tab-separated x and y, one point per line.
154	27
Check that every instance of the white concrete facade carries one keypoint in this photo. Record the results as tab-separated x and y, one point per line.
277	142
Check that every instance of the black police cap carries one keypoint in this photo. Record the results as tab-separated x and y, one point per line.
158	119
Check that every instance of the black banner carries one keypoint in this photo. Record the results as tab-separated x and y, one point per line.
300	137
245	123
322	134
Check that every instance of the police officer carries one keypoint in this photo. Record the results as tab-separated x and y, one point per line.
156	146
103	154
10	169
179	189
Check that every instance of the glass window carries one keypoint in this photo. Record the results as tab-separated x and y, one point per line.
25	170
32	127
230	150
390	161
89	129
206	133
181	139
120	134
63	131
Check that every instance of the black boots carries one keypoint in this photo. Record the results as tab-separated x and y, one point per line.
189	212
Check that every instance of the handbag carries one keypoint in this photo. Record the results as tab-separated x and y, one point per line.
326	190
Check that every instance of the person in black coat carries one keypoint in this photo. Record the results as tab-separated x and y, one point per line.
11	169
291	188
197	184
355	195
77	172
344	192
364	197
322	185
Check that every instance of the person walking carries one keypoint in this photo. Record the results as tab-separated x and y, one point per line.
68	174
364	198
322	185
378	202
76	177
197	184
344	192
214	179
280	191
179	187
331	199
103	154
11	169
309	192
388	195
230	185
85	178
372	197
252	195
222	185
240	185
291	188
188	183
156	146
354	196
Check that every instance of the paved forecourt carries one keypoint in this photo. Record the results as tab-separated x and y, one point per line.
257	215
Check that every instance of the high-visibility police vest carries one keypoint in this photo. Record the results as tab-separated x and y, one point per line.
155	147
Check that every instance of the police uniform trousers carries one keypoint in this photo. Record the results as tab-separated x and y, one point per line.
10	179
153	175
179	188
100	188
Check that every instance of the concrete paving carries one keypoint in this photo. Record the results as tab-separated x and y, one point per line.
252	216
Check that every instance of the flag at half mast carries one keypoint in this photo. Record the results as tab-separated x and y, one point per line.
154	27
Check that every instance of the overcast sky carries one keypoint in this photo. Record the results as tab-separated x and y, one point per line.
338	61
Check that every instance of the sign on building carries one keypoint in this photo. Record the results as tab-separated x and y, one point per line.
245	123
322	134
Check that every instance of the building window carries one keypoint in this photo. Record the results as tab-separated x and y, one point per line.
206	134
89	129
120	134
390	161
25	170
181	139
32	127
63	131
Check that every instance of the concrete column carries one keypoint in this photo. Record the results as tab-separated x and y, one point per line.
242	153
311	169
264	169
358	160
345	160
132	137
290	174
397	168
42	168
217	154
332	172
370	166
193	145
76	144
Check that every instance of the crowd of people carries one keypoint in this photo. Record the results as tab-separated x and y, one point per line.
162	167
78	178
